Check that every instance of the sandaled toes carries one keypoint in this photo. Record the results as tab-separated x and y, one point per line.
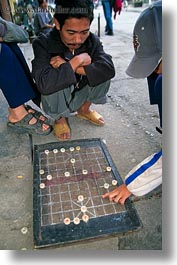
23	126
61	129
92	116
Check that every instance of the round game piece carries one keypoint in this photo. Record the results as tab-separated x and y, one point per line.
42	185
41	171
114	182
85	172
55	151
67	221
108	169
71	149
67	174
62	150
24	230
85	218
20	177
80	198
83	208
49	177
76	221
46	152
106	185
73	160
78	148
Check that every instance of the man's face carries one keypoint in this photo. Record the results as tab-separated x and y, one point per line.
44	5
75	32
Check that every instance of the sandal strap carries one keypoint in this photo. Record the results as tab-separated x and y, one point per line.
25	119
37	114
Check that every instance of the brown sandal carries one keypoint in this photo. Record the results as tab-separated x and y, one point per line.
92	116
60	129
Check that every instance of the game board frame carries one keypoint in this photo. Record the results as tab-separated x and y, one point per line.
60	234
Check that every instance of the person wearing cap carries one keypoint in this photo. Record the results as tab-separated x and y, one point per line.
147	60
146	63
70	67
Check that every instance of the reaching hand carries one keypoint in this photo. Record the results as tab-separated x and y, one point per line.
120	194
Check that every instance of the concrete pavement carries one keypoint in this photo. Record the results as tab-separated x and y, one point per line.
130	136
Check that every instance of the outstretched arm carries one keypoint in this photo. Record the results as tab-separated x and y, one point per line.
142	179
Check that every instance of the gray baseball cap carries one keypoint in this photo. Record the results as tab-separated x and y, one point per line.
147	41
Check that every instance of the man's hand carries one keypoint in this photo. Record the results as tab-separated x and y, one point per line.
1	39
85	59
120	194
78	61
56	61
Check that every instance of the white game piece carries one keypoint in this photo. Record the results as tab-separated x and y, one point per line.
24	230
85	172
49	177
67	174
106	185
83	208
71	149
85	218
76	221
67	221
114	182
46	152
80	198
108	169
41	171
62	150
73	160
78	148
42	185
55	151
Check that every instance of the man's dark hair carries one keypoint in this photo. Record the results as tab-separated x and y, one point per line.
66	9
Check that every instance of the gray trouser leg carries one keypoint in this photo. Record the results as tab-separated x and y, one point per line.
96	95
61	103
56	105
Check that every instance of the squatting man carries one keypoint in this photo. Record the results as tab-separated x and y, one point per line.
71	68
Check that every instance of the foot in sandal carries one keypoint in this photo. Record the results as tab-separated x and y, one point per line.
61	129
23	122
92	116
85	113
29	124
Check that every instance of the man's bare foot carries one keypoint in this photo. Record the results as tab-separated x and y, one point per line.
61	129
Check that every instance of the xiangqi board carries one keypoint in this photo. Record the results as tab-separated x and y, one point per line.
69	181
